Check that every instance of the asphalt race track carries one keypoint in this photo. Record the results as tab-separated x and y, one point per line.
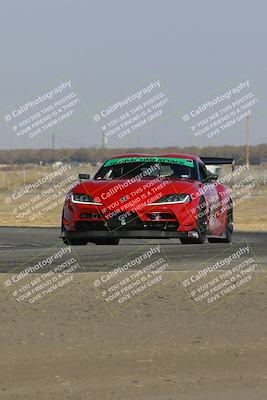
18	245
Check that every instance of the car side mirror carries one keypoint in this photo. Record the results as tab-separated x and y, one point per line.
84	177
213	177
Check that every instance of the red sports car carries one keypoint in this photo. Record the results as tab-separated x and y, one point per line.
149	196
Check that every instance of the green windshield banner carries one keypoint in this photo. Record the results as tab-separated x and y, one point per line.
168	160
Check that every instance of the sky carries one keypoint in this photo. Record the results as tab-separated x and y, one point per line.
187	53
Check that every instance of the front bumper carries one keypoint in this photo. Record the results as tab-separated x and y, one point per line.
135	225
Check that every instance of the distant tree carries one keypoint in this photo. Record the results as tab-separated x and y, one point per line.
258	154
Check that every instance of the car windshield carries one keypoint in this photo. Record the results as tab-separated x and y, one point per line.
147	168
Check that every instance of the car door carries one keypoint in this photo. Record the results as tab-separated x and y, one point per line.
212	199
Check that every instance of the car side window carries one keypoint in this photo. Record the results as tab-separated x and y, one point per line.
203	173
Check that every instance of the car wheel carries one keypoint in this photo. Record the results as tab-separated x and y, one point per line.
108	242
72	242
201	226
229	229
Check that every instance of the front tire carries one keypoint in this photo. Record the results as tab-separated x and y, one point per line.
72	241
202	225
229	229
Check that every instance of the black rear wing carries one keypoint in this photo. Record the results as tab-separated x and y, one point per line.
218	161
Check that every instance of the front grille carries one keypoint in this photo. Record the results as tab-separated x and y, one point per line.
83	226
162	226
157	216
126	222
91	215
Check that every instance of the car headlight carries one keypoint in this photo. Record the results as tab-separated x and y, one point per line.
83	199
173	199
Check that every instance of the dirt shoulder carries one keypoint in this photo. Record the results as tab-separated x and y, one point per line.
156	348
